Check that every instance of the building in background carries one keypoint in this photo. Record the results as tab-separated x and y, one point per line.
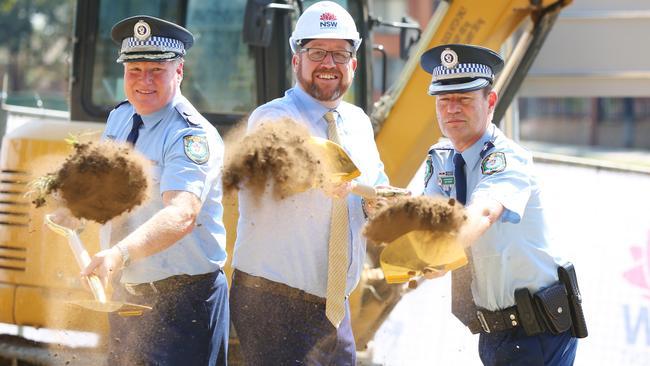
590	84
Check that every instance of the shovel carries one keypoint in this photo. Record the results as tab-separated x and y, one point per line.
410	254
341	169
100	303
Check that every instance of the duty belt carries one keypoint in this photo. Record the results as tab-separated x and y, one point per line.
495	321
165	285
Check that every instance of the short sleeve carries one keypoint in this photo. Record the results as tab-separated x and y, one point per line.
510	186
191	157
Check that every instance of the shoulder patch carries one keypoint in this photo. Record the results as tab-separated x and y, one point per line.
428	173
196	148
493	163
121	103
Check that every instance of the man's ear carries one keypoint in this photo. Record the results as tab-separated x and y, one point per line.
294	62
179	71
492	99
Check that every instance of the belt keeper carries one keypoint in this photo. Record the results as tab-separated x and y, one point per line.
482	321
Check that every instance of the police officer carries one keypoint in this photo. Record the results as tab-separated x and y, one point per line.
506	232
172	249
297	259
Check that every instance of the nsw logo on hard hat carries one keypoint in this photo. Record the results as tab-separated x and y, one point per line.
328	21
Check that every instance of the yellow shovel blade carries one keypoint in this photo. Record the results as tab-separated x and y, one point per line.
122	308
339	165
408	255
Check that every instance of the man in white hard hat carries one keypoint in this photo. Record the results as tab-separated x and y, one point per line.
297	259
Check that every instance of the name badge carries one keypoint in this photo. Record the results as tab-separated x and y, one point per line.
446	180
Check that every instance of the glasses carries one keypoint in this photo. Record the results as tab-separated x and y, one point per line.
318	55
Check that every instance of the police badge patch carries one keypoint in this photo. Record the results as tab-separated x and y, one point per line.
196	148
429	172
493	163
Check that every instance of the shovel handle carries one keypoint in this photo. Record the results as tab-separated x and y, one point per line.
83	259
96	288
370	192
364	190
80	255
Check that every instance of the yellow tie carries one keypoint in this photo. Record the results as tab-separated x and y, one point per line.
337	269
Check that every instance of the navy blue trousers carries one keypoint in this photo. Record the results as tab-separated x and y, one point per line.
188	326
276	330
514	348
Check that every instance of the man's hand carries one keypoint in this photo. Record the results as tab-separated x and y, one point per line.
430	273
386	196
339	190
104	265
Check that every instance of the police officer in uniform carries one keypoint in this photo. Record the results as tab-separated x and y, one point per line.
511	287
297	259
171	250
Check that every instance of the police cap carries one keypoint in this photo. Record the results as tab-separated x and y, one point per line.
460	68
146	38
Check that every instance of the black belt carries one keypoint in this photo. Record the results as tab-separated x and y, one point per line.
165	285
495	321
276	288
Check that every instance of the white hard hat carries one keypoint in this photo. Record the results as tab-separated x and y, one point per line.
325	20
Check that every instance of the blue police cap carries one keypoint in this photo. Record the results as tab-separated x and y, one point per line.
146	38
460	68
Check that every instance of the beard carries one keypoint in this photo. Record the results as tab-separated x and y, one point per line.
317	92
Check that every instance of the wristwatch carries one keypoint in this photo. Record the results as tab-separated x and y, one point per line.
126	257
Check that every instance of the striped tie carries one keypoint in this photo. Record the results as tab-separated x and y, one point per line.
337	269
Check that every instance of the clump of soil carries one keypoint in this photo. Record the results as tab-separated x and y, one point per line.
276	152
432	214
98	181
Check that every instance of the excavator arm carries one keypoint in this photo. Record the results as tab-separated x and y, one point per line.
405	117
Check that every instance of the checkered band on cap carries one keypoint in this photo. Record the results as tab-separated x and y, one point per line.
441	73
152	44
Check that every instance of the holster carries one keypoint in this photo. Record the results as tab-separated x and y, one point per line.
568	278
553	308
556	308
527	313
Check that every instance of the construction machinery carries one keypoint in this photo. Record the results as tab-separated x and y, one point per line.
241	59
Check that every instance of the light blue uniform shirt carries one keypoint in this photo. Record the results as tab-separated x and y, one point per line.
162	140
515	251
286	240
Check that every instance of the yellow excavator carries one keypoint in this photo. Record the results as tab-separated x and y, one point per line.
241	59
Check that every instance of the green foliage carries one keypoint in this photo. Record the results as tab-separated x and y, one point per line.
35	48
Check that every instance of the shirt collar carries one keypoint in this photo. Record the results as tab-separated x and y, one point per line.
157	116
313	109
472	155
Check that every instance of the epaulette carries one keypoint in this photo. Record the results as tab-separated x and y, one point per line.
190	114
441	145
120	103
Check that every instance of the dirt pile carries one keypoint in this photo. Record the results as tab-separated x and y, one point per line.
277	153
98	181
436	215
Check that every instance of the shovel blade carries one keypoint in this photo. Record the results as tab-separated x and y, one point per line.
122	308
408	255
340	167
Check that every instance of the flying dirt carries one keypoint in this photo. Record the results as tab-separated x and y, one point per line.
98	181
